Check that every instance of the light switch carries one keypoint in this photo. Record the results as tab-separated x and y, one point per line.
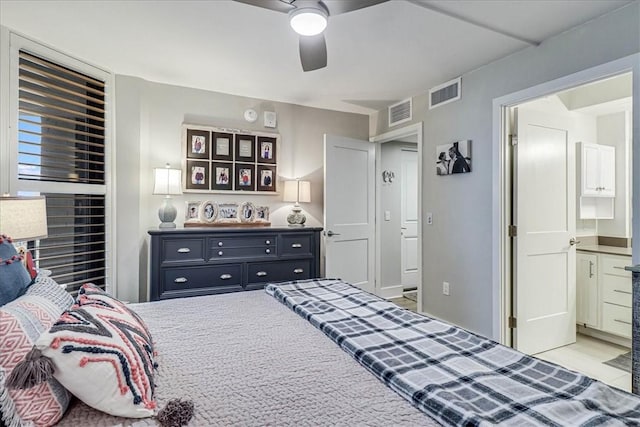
387	215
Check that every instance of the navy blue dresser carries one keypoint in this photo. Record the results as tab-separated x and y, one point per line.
201	261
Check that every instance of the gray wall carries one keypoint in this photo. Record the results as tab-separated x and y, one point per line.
458	247
149	117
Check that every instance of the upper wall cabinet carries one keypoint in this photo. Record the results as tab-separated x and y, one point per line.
598	170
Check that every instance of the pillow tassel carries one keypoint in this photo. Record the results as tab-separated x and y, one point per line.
176	413
33	370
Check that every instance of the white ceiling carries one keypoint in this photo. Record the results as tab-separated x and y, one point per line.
376	56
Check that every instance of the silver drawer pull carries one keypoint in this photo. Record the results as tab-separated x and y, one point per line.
184	250
267	251
220	244
261	273
619	268
180	280
296	245
220	253
622	321
225	276
267	242
298	271
622	292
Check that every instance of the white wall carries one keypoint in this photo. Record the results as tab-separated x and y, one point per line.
149	117
458	247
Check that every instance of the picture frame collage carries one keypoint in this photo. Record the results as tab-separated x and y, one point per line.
223	160
210	213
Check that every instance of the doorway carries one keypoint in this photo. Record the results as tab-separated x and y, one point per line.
398	213
567	243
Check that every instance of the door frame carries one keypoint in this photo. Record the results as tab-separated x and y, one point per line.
403	132
502	180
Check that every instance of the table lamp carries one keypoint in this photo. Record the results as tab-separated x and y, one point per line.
23	219
297	191
167	182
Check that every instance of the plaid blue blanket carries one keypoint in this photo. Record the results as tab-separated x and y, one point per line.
452	375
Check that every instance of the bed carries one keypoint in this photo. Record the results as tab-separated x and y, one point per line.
322	352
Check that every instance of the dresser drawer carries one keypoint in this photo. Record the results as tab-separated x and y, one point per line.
242	241
296	245
616	319
240	253
180	250
616	290
615	265
279	271
227	276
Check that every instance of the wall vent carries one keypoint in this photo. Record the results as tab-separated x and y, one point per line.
445	93
400	112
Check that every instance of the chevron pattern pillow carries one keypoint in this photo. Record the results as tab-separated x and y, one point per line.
103	353
22	321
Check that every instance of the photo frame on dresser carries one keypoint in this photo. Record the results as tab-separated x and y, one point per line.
222	160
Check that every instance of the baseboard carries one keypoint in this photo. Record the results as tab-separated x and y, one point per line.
604	336
391	292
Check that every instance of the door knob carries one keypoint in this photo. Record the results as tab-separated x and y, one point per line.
573	241
331	233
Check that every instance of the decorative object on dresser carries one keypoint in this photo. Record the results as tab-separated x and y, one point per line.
233	160
212	214
194	262
297	191
167	182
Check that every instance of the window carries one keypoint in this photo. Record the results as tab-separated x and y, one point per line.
61	151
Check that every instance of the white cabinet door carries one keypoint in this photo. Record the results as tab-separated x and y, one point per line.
590	170
587	307
607	170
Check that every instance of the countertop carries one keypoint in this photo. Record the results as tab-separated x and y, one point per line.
611	250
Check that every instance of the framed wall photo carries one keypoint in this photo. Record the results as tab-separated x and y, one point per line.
453	158
197	175
267	177
244	177
245	148
222	146
266	148
198	144
221	176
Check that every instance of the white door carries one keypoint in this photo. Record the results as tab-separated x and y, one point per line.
409	217
349	210
544	212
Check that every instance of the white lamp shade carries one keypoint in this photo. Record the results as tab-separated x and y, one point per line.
167	181
308	21
23	218
297	191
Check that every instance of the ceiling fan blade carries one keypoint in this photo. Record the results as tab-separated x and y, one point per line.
337	7
276	5
313	52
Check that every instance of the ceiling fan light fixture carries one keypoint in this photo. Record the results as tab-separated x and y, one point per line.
308	21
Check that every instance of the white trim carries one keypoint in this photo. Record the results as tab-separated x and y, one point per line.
415	129
5	108
405	120
500	196
443	85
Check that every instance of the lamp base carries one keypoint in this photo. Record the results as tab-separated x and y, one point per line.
167	214
296	218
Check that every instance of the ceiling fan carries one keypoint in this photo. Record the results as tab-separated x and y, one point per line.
309	18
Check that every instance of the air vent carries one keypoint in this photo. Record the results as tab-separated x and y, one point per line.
445	93
400	112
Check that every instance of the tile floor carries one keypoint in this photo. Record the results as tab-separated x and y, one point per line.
405	303
586	356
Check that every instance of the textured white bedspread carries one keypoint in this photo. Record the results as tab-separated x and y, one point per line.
247	360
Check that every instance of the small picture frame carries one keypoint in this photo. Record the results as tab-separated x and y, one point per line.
208	211
192	212
221	176
222	146
245	148
228	212
266	147
453	158
198	144
262	214
197	176
247	212
244	177
266	176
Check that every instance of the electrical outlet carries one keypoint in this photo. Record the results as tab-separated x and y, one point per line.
429	218
445	288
